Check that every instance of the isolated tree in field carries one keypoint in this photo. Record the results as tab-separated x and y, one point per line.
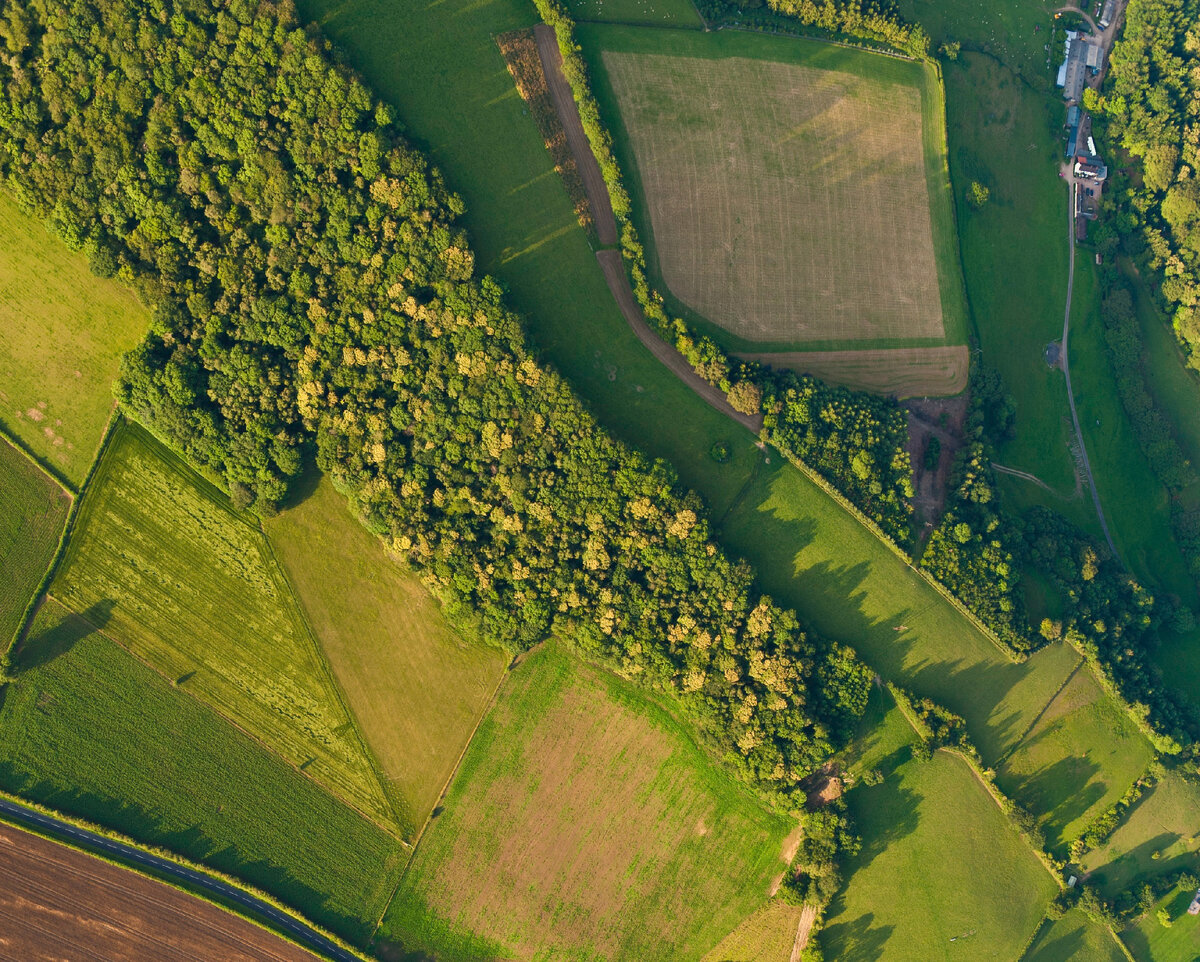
978	194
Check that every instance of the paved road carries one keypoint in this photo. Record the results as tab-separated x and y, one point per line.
1064	361
309	937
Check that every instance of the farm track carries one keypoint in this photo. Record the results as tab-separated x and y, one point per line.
296	929
803	931
606	230
577	142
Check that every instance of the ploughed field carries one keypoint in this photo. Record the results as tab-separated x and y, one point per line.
60	903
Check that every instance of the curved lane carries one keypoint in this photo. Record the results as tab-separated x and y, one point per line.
304	934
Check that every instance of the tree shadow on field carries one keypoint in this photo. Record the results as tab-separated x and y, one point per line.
883	814
1062	792
858	940
52	643
1056	950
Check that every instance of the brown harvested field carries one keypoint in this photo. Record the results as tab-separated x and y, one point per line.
63	904
584	824
766	936
788	202
520	51
903	372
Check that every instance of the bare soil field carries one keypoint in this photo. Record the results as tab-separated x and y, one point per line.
903	371
584	825
60	903
788	202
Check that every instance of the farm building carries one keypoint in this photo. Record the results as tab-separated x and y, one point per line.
1194	908
1071	74
1094	57
1110	9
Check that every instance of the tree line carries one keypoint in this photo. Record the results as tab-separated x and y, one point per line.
312	292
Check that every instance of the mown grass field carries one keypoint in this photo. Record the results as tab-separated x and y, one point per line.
676	13
766	936
1074	938
62	333
585	824
164	565
1160	834
88	729
942	873
783	182
1079	759
1150	941
31	522
416	687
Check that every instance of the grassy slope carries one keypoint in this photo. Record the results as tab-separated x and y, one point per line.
62	332
1163	823
939	863
584	824
160	561
1079	758
416	687
1074	938
88	729
31	521
453	89
1150	942
874	67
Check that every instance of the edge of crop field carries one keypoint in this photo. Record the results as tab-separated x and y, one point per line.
35	600
175	883
48	469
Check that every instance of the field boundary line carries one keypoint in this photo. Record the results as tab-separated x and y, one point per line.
51	472
214	710
412	855
306	625
1130	957
79	833
43	588
1045	708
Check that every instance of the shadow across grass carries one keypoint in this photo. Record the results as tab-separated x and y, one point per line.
54	642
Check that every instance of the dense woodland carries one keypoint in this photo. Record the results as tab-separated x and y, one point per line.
1148	108
310	289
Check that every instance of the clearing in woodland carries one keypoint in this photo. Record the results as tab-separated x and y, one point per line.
796	193
59	902
585	824
415	686
942	873
31	522
62	333
192	588
88	729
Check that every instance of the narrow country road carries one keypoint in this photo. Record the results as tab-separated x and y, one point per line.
304	934
1064	360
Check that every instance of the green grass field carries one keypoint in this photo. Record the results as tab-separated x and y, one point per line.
585	824
676	13
62	333
1151	942
31	522
1160	834
1014	32
1079	759
88	729
415	686
1074	938
160	560
816	213
942	873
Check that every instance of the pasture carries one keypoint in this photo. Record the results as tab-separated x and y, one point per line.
585	824
191	588
942	873
416	687
62	334
1150	941
1079	759
813	214
88	729
1160	834
60	900
35	510
1073	938
675	13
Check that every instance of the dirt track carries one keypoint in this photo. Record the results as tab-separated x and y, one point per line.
581	150
59	903
606	231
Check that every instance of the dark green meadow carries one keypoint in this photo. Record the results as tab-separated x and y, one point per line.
31	522
89	730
